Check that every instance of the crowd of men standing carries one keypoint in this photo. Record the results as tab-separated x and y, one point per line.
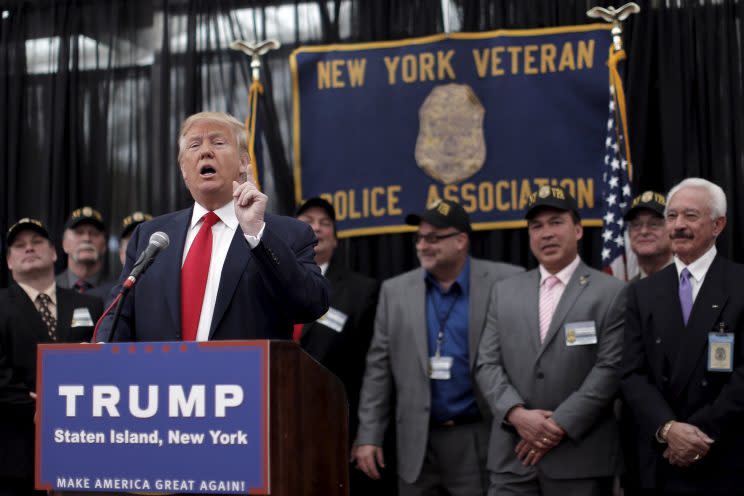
464	376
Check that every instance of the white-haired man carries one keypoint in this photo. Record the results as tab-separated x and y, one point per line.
683	363
232	270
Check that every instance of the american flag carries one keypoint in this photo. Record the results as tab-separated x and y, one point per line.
616	194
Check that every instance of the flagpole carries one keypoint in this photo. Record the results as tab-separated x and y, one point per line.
617	259
254	51
617	55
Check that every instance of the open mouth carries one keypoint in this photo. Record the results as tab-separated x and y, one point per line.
207	171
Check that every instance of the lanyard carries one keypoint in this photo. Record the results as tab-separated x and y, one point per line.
443	323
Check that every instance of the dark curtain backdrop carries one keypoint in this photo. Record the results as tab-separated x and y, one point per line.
92	93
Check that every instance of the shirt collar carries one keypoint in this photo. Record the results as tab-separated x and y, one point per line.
463	279
93	280
32	293
564	275
323	268
699	267
226	213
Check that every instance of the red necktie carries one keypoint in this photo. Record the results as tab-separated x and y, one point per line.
194	277
297	332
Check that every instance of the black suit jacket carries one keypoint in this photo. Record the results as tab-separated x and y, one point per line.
344	353
21	329
262	291
665	376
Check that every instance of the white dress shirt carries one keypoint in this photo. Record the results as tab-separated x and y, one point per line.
51	292
222	236
697	269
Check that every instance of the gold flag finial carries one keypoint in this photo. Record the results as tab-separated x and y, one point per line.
254	51
616	17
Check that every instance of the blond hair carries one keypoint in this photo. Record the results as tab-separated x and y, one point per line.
222	117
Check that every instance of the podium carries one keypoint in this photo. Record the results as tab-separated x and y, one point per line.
218	417
309	426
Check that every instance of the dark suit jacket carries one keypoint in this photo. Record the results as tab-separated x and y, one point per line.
21	329
262	291
344	353
665	376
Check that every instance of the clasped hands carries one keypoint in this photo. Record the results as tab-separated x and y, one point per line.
686	444
538	431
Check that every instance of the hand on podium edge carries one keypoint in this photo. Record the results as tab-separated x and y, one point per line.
367	458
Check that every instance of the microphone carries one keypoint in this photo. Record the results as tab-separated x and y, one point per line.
158	241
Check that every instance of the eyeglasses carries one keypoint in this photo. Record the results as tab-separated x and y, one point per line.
652	224
432	238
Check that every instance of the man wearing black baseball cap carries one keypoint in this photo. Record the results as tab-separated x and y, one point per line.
84	242
648	233
127	228
32	310
427	327
340	338
549	362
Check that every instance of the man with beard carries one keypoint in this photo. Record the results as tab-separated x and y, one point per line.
683	359
427	327
32	310
84	242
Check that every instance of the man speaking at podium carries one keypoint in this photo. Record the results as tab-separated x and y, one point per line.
232	271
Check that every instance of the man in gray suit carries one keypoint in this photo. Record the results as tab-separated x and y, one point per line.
548	364
427	328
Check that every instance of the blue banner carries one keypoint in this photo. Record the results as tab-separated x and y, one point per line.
384	129
153	417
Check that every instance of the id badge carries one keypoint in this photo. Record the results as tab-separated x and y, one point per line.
440	367
720	352
81	318
581	333
335	319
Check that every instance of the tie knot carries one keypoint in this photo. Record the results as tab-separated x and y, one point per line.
551	282
685	274
43	298
82	285
210	218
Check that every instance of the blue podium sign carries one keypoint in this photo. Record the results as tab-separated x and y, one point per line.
154	417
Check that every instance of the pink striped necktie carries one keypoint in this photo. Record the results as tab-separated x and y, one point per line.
548	301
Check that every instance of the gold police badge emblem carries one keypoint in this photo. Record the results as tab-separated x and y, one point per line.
451	146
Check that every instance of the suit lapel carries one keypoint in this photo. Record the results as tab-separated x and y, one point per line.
334	277
176	229
237	258
417	295
29	313
576	285
479	292
530	312
668	312
64	315
705	313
